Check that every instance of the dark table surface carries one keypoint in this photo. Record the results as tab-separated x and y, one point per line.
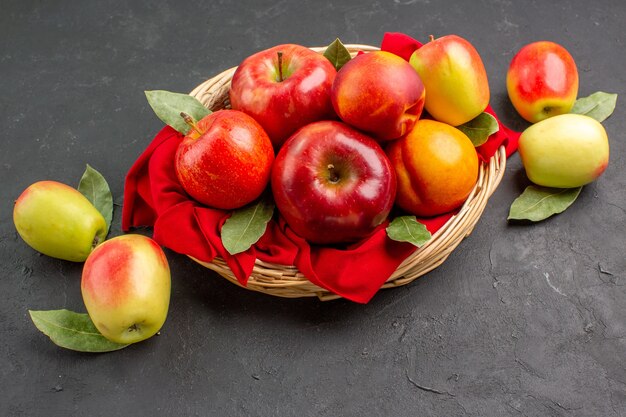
520	320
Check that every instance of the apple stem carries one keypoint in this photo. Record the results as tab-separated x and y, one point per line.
431	38
280	66
192	123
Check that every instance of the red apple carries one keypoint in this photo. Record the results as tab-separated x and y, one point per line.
542	81
284	88
332	183
126	288
379	93
225	160
457	89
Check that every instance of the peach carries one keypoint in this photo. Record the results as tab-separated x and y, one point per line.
378	93
436	166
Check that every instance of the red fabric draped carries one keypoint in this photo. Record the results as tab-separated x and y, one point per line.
153	197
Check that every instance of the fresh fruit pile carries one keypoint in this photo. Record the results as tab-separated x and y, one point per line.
566	147
350	136
340	146
125	281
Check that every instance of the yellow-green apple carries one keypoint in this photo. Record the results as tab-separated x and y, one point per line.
457	89
332	183
126	288
542	81
437	168
225	160
57	220
378	93
283	88
564	151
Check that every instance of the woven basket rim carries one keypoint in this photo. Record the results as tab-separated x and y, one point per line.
287	281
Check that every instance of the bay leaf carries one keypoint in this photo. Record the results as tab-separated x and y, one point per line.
408	229
337	54
538	203
72	330
168	106
246	225
599	105
480	128
93	186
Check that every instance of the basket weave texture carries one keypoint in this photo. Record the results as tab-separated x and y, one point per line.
287	281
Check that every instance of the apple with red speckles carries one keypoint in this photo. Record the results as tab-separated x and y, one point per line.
542	81
225	160
332	183
126	287
283	88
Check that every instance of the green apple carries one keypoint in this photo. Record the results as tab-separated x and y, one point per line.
126	288
564	151
457	89
57	220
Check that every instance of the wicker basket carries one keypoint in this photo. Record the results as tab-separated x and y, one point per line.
287	281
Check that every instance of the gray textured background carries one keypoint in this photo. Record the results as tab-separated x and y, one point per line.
520	320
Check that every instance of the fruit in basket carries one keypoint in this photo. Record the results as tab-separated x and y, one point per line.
542	81
378	93
283	88
437	167
564	151
457	89
126	288
225	160
57	220
332	183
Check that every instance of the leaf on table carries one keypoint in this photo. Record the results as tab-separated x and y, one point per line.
480	128
337	54
598	105
408	229
168	106
73	331
538	203
246	225
93	186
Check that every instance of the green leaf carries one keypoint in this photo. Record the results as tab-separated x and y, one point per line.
408	229
538	203
93	186
337	54
246	225
598	105
480	128
72	330
168	106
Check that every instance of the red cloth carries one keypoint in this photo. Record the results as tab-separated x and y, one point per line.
153	197
400	44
